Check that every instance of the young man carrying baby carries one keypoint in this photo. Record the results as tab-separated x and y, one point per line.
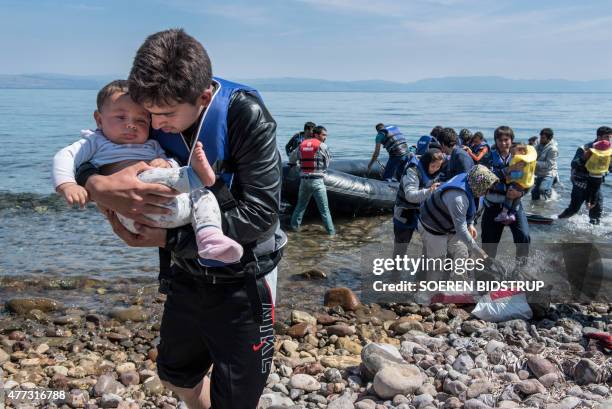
219	316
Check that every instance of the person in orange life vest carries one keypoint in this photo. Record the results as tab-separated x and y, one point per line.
314	158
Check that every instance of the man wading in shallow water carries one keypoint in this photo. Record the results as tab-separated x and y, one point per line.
223	315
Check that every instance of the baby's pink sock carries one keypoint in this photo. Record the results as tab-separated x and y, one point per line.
214	245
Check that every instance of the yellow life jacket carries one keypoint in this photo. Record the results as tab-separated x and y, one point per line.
527	175
599	162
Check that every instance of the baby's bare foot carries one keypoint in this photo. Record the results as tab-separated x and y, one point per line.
200	165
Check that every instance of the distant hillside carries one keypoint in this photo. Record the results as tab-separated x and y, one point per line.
447	84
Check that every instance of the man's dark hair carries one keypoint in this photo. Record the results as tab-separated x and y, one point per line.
108	90
547	132
465	135
532	139
503	131
309	125
478	134
447	137
379	126
318	129
604	130
170	67
436	131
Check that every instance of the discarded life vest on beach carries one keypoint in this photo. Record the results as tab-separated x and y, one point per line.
212	131
394	141
599	162
526	177
435	216
424	182
310	159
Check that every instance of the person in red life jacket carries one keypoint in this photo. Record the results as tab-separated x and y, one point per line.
298	137
214	316
395	143
314	158
477	148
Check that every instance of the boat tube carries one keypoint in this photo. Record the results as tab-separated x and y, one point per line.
349	191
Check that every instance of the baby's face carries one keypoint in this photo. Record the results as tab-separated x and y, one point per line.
123	121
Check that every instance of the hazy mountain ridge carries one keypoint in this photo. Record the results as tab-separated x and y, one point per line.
446	84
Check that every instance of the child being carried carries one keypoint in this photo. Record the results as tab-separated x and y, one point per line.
520	177
122	139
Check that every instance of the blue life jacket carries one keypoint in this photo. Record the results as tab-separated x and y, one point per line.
212	131
497	166
424	182
394	141
423	144
434	215
213	134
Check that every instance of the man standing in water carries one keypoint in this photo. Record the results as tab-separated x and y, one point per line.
580	177
297	138
314	158
395	143
546	165
220	316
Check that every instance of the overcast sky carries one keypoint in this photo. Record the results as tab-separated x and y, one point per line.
396	40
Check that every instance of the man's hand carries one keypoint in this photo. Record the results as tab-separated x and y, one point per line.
434	186
160	163
473	231
73	194
146	236
466	148
124	193
513	194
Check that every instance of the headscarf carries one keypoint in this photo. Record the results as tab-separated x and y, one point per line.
480	179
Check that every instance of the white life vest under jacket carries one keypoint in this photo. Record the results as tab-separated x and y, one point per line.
311	161
599	162
435	216
394	141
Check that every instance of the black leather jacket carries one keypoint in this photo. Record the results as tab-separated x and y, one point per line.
251	207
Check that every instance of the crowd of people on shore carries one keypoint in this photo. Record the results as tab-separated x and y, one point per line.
443	177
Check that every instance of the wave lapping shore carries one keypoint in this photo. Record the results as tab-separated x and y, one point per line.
343	355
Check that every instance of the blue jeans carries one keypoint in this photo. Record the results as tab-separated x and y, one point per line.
308	188
492	230
542	187
391	167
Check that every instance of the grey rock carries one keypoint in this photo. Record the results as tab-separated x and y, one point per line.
153	386
365	404
422	400
454	387
343	402
305	382
475	404
540	366
377	356
274	399
110	400
586	372
478	388
391	381
550	379
107	384
463	363
279	387
332	375
530	387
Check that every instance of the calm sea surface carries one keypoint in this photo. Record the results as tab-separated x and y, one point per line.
40	238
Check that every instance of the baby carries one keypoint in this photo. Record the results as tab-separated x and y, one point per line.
521	177
122	139
597	161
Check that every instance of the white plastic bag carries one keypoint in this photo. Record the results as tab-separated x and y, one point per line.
498	306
